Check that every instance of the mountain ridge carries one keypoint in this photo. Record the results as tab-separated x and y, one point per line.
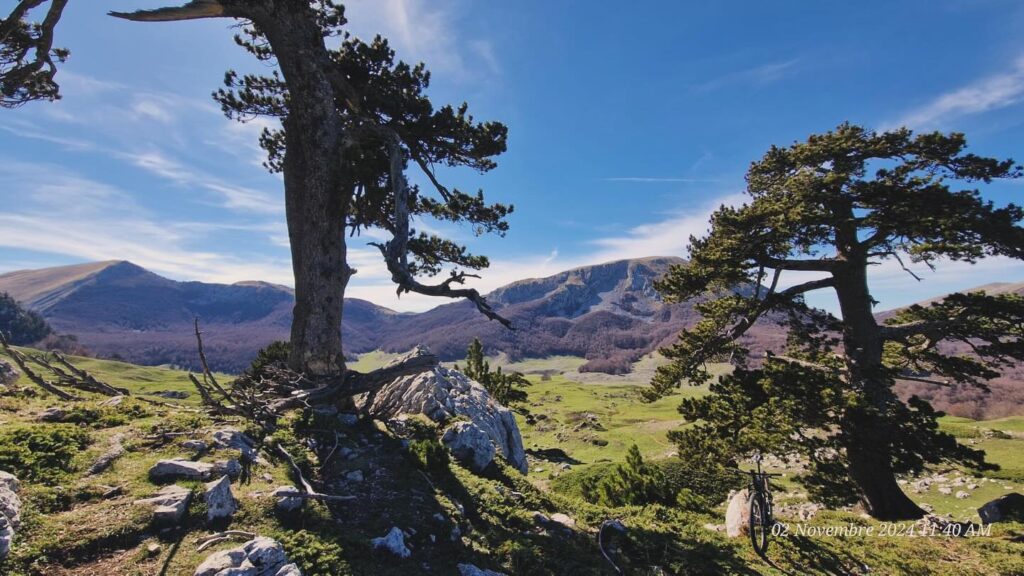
608	313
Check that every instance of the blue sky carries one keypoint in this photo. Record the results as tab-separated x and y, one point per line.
628	124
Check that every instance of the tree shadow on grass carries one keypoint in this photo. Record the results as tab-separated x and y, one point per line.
810	556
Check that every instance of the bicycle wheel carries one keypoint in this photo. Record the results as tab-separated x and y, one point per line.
759	523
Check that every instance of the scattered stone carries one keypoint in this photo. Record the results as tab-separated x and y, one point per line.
945	490
972	486
737	516
541	519
153	550
394	542
196	445
169	504
471	570
260	556
961	494
171	394
53	414
8	374
10	511
267	477
564	520
288	499
231	467
113	401
237	440
220	502
470	445
354	476
9	481
10	507
1006	508
115	451
6	537
112	492
180	469
442	394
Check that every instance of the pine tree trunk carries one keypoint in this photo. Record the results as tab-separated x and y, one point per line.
867	435
316	192
870	465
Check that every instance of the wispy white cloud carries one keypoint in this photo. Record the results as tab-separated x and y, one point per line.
74	216
233	196
760	75
666	237
426	31
990	93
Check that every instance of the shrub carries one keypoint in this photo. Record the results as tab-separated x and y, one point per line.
315	554
431	456
672	482
274	354
506	388
41	453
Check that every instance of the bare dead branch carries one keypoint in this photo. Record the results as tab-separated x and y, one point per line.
88	380
194	10
396	251
22	363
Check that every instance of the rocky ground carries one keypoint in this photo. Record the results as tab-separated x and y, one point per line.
149	485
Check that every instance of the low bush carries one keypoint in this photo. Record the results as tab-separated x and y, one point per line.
672	482
315	554
41	453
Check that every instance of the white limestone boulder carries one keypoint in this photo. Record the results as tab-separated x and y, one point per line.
442	394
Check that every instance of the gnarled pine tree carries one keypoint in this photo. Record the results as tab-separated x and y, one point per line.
835	205
27	55
353	119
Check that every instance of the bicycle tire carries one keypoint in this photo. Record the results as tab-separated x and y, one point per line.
759	529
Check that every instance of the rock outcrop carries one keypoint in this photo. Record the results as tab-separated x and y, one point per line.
737	515
260	556
469	444
233	439
442	394
8	374
394	542
10	511
288	499
220	502
169	504
1007	508
182	469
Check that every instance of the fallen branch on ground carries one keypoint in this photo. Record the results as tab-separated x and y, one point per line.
22	363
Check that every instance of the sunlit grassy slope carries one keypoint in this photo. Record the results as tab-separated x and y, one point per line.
69	529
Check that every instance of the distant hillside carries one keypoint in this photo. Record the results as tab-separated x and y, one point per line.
120	310
1006	397
608	313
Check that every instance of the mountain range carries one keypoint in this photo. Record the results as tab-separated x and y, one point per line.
607	313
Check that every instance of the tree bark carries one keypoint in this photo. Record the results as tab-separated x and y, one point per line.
870	465
315	192
868	433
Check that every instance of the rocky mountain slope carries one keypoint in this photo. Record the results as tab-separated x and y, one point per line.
120	310
608	313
